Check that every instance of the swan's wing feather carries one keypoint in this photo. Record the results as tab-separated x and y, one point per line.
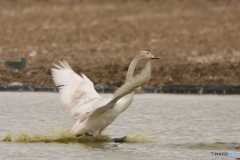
74	89
86	109
64	75
126	88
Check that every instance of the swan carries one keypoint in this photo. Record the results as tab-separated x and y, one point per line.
80	99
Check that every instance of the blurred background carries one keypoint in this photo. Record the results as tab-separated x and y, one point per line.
198	42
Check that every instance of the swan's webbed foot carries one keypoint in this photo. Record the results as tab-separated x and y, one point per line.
119	140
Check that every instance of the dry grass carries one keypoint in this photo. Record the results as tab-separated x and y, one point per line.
198	41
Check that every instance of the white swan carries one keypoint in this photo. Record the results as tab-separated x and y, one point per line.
79	97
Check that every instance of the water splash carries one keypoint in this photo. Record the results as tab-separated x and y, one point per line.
62	136
54	134
140	137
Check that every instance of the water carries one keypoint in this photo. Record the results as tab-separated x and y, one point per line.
158	126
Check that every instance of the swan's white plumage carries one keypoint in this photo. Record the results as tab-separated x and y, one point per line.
79	97
97	106
74	89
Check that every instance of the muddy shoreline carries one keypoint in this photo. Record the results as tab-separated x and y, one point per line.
169	89
197	42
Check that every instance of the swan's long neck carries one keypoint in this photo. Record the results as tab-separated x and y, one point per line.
125	101
132	68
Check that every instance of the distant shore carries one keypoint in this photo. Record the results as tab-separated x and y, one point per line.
169	89
197	43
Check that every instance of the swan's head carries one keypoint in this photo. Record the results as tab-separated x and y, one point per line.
146	55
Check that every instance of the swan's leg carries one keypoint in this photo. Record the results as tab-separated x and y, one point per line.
87	134
79	135
119	140
83	134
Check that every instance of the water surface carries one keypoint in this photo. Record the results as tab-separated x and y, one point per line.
158	126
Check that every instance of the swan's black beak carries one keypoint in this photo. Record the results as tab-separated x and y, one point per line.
152	56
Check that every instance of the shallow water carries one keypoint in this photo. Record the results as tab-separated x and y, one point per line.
158	126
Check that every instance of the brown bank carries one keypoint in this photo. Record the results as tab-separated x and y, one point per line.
198	42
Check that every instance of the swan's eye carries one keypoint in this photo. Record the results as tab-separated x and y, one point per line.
147	53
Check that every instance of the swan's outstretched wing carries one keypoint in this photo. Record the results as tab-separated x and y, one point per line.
75	90
105	104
